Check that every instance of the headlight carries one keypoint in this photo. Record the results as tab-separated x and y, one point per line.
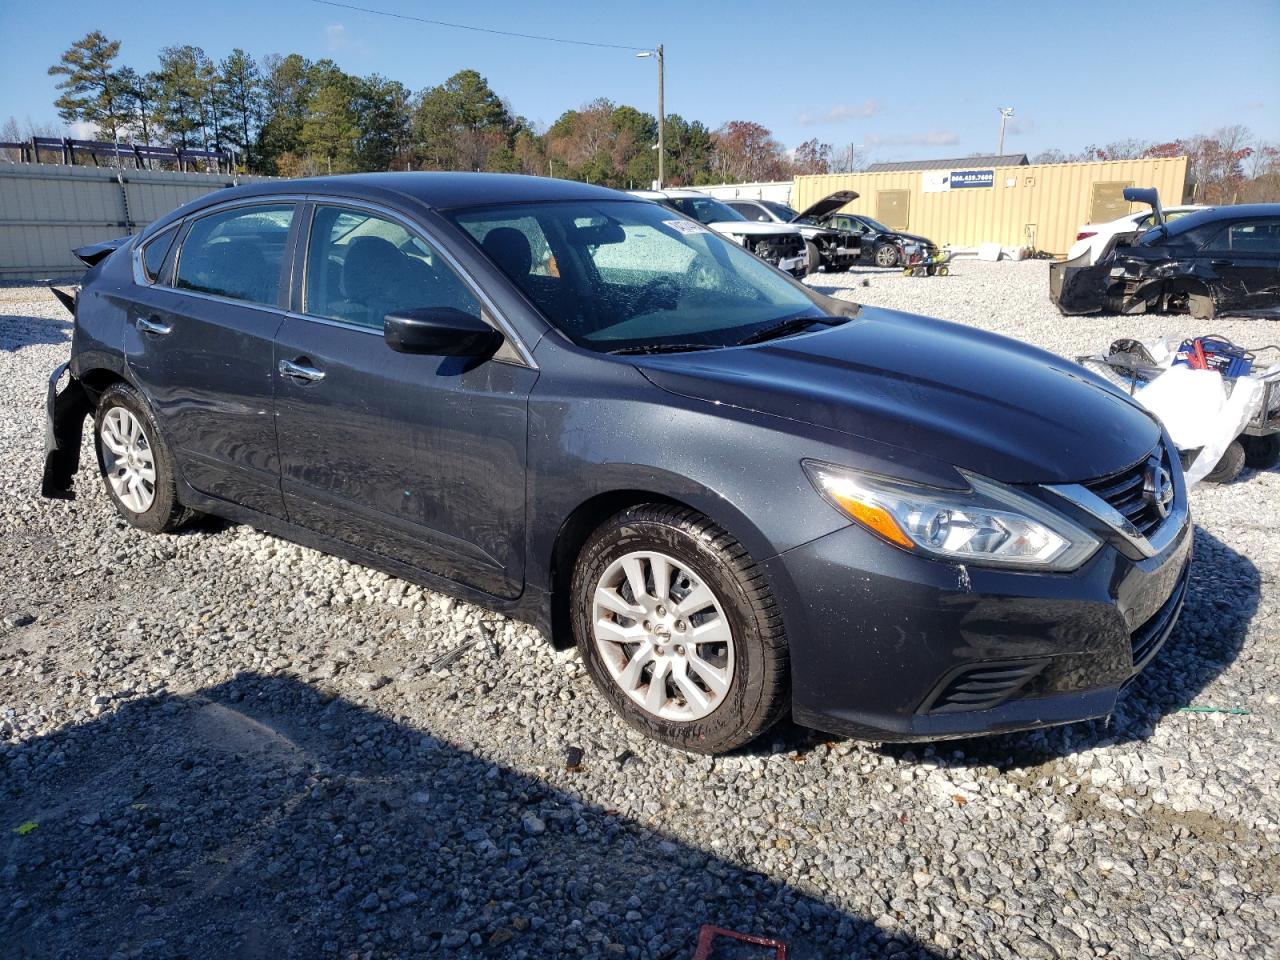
989	524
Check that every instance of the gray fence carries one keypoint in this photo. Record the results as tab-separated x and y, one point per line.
47	209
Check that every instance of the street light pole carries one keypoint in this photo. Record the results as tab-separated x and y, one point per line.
1005	114
661	113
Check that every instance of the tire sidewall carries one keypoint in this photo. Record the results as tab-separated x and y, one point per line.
159	516
747	688
886	255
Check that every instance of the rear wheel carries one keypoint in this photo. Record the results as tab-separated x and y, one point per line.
678	629
136	466
1229	467
887	255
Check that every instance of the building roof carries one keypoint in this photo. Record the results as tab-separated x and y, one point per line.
958	163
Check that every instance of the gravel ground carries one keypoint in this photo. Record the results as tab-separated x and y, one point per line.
219	744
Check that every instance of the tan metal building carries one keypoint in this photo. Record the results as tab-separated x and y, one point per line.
1041	206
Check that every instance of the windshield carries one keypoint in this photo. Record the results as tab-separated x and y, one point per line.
875	225
704	209
618	275
779	210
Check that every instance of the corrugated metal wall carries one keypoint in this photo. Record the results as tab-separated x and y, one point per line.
47	209
1041	206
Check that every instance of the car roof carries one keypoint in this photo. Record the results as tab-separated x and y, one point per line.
440	191
660	194
1214	214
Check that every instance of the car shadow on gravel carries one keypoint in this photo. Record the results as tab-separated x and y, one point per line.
19	330
263	818
1222	598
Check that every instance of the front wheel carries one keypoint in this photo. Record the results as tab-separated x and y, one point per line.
887	255
136	466
678	629
814	255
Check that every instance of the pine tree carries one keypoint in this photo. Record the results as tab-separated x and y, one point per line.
91	85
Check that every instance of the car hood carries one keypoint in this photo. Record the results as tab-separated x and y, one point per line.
828	204
751	228
979	401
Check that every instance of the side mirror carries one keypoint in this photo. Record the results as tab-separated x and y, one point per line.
763	218
441	332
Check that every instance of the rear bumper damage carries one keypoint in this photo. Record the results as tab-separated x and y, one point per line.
65	412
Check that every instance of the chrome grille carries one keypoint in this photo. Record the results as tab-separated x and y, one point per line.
1126	493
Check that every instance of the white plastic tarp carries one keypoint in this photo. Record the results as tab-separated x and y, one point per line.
1198	413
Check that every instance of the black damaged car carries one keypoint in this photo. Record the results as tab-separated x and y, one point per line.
1220	261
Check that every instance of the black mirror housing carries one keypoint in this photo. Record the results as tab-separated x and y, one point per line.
441	332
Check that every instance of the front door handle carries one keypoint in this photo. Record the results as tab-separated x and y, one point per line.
152	325
1221	263
301	369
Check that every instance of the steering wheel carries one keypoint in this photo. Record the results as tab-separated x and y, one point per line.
660	292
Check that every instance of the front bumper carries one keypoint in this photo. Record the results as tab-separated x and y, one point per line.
889	645
796	266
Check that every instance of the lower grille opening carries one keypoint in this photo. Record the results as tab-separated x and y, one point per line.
985	685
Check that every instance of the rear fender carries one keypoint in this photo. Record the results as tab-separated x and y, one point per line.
1076	287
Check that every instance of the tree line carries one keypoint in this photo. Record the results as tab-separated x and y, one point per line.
1230	165
286	115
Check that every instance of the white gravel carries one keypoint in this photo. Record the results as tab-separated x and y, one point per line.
235	747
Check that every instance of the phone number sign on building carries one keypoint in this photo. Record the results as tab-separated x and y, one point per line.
972	178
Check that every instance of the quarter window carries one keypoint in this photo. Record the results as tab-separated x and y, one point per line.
154	253
361	267
237	253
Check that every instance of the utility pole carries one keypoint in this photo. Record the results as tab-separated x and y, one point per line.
1005	114
661	114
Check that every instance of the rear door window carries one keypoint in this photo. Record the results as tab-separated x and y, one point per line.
1258	238
237	253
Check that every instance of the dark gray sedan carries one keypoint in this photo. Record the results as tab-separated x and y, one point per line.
736	495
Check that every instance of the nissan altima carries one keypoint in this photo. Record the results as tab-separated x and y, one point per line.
737	496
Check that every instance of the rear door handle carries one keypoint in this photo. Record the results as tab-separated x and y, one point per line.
152	325
1221	263
300	369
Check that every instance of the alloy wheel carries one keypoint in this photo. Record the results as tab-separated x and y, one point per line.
128	458
663	636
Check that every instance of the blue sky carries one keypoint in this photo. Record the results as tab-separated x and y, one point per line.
902	80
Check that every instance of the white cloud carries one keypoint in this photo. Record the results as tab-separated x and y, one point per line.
341	41
840	112
931	138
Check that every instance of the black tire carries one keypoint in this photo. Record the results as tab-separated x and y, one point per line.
814	254
1261	453
887	255
1229	467
759	686
165	513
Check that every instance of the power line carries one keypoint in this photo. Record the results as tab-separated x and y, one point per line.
467	26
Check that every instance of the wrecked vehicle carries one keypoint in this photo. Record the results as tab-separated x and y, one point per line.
736	495
781	245
881	245
835	249
1224	260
